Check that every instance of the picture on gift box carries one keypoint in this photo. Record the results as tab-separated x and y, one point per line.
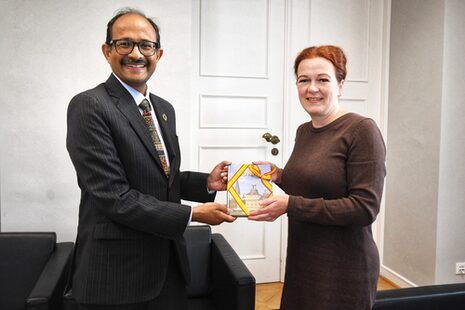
248	185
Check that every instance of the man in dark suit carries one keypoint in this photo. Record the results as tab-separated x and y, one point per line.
130	252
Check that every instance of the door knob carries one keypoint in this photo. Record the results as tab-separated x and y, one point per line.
267	136
270	138
274	140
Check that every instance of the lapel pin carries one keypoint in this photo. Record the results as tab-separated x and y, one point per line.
165	117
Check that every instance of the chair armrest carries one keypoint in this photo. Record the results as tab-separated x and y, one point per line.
48	290
233	285
446	296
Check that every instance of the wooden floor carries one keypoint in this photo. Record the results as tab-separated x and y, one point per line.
268	295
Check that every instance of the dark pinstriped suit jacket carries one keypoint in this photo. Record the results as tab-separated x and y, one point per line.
130	213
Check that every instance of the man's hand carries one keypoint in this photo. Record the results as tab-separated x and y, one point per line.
272	208
218	178
212	213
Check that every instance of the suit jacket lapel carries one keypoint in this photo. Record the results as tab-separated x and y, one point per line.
125	103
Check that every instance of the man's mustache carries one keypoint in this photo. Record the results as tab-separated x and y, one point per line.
127	61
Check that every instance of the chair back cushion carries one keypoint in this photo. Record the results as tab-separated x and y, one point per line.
22	258
431	297
198	242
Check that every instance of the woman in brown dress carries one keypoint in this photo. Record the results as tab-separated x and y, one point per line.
333	183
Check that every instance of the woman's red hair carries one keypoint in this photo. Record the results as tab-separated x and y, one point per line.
330	52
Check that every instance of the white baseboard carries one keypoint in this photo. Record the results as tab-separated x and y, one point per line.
396	278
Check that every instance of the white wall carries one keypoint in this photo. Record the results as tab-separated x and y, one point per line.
413	138
451	200
424	231
50	52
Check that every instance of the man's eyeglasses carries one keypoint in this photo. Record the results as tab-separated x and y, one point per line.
125	46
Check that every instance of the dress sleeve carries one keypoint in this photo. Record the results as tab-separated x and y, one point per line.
366	170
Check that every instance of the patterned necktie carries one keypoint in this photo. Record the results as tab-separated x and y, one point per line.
145	106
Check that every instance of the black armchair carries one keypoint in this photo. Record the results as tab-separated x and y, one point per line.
432	297
33	270
219	278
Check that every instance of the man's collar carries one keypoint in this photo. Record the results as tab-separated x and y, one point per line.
138	96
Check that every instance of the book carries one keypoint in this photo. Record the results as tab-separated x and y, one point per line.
247	186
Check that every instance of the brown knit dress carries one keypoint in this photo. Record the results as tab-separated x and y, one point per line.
335	179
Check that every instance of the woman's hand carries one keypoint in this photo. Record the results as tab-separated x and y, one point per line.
272	208
275	177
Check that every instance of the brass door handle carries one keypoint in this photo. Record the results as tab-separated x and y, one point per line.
270	138
275	140
267	136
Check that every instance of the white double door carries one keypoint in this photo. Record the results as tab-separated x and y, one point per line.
243	86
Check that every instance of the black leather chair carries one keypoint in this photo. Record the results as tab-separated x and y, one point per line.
219	278
432	297
33	270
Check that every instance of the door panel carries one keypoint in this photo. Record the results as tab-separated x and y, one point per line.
238	88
